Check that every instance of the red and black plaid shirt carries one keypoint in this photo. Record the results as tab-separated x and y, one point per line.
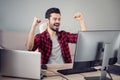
44	44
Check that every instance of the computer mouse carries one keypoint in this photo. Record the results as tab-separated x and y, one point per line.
44	66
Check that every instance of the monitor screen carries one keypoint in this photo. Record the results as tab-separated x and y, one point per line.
90	47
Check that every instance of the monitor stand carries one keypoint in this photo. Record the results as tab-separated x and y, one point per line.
105	61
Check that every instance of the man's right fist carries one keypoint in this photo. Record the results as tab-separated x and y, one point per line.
36	21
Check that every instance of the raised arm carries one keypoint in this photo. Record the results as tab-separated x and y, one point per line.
30	37
78	16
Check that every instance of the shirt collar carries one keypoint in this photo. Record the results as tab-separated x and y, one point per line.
48	35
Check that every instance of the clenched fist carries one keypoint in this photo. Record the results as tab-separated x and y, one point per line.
36	21
78	16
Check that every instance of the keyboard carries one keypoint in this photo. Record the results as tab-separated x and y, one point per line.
75	71
114	69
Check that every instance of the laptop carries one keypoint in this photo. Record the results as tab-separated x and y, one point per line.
20	64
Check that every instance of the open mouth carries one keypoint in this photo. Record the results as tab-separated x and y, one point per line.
57	24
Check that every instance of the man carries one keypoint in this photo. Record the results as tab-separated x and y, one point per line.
52	43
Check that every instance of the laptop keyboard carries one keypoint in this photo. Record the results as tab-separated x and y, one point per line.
75	71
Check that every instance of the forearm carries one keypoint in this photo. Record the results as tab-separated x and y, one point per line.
78	16
83	25
30	39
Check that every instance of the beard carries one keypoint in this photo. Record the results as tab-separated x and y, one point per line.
54	27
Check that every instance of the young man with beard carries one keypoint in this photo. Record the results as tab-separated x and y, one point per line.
52	43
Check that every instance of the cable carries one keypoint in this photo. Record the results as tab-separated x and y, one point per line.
109	74
58	74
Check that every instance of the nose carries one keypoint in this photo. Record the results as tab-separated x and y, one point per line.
58	21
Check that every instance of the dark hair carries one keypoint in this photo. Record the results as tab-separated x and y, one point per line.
50	11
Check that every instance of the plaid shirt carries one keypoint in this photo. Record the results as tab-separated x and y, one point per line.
44	44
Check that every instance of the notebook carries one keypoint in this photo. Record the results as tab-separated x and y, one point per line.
21	64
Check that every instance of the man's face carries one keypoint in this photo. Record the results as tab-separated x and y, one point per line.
54	21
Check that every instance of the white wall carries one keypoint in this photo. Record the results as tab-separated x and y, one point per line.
99	14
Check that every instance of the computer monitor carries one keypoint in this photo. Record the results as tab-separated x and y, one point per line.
90	46
95	48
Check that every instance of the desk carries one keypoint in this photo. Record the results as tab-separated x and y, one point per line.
53	75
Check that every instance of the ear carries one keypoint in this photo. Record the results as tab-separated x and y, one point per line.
47	21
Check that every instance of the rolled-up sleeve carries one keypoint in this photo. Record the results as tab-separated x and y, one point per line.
71	37
36	42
